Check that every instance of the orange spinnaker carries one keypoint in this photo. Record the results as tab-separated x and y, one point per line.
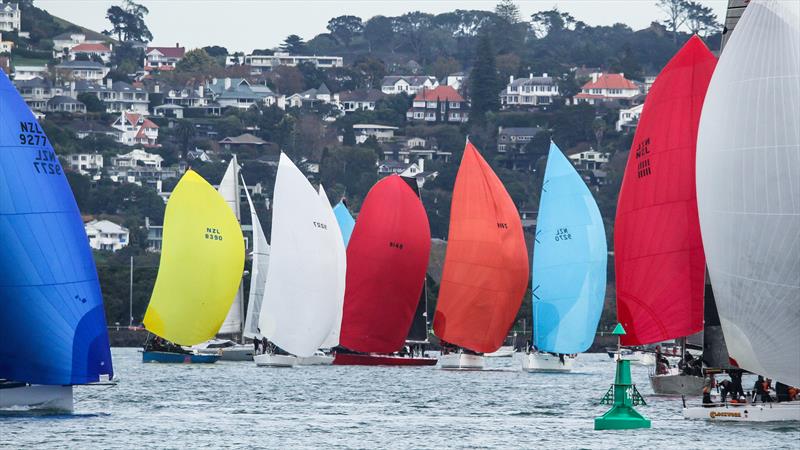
486	265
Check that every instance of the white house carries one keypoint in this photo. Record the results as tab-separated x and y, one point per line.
162	58
10	17
138	158
456	80
589	160
629	117
239	93
360	100
83	70
117	97
106	235
531	91
86	163
264	63
382	133
22	73
136	130
101	51
37	92
410	84
515	139
606	87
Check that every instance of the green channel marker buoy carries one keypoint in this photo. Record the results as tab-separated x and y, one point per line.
623	396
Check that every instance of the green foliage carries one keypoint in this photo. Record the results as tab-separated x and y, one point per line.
345	28
379	33
294	44
351	170
93	104
199	62
483	83
127	22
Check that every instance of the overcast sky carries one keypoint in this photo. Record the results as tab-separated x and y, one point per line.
242	25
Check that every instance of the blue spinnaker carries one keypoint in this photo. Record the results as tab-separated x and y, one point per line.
569	261
52	323
345	220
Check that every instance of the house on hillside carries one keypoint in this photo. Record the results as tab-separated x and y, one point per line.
135	129
88	50
529	92
5	46
590	159
629	118
24	72
363	131
142	168
162	58
312	97
457	81
410	84
439	105
66	104
605	88
86	163
37	92
240	93
264	63
117	96
232	143
360	100
10	17
416	148
86	128
407	169
82	70
513	140
106	235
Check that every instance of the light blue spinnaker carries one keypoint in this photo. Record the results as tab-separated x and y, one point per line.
345	220
52	323
569	261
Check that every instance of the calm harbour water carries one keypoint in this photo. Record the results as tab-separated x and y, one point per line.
238	405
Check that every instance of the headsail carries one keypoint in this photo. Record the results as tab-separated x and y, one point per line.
346	222
386	263
486	265
52	324
229	189
569	261
748	166
299	308
202	260
258	273
658	253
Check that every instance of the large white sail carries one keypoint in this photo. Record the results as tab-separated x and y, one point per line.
341	253
229	189
297	313
748	189
258	273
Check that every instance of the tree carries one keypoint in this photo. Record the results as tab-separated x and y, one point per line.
413	29
552	22
700	19
349	136
93	104
197	61
184	133
215	50
599	127
444	66
378	32
127	22
345	28
676	15
371	70
294	44
483	84
508	11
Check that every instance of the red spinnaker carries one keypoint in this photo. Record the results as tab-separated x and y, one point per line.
387	259
659	259
486	266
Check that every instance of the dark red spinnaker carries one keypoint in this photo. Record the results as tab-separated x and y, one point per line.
387	259
658	252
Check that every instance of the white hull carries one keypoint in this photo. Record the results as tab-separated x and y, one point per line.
237	353
761	412
267	360
315	360
462	361
674	383
643	359
506	351
37	396
545	362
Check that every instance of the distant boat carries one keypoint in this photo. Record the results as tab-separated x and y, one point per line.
748	167
306	271
52	324
485	268
230	190
387	259
258	274
570	256
660	264
202	260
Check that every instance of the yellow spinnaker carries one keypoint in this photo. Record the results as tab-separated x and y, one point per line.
202	258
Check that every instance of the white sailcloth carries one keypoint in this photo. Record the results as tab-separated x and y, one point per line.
338	296
258	273
229	189
748	189
297	313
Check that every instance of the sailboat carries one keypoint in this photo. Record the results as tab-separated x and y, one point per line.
345	220
306	271
201	266
747	191
570	256
660	264
52	323
387	259
485	267
258	273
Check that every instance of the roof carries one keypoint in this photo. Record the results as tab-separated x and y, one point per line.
610	81
168	106
533	81
80	65
33	82
446	93
323	90
169	52
362	126
68	35
106	226
414	80
369	95
84	47
520	131
134	119
244	139
62	99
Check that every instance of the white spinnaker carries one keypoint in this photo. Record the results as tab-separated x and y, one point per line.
333	337
258	273
297	313
229	189
748	189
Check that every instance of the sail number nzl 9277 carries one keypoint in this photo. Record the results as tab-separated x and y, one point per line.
45	161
